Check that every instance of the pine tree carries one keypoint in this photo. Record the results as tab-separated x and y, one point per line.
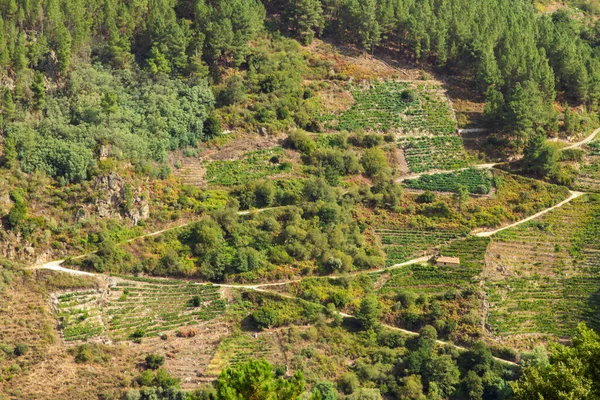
4	58
8	105
158	62
109	105
538	157
570	121
306	19
39	91
20	60
63	49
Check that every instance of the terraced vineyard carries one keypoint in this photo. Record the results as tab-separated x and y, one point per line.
542	277
386	106
476	180
134	309
589	176
436	280
244	346
254	165
595	148
438	152
79	315
403	244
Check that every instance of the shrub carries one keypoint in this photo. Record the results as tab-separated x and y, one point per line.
264	317
408	95
138	333
212	127
21	349
326	391
426	197
301	141
154	361
348	383
196	301
89	353
374	161
18	212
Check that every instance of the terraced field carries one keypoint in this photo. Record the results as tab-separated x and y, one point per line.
589	175
253	165
476	180
433	279
399	106
542	277
437	152
137	309
403	244
243	346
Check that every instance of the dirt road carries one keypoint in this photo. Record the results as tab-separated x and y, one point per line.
573	195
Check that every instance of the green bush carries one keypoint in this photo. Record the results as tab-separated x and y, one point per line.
21	349
265	317
154	361
212	127
301	141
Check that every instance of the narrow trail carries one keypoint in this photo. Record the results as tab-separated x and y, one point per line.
583	142
420	174
259	286
438	341
573	195
391	327
55	265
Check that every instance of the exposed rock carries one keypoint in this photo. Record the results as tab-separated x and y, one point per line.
144	211
104	152
114	202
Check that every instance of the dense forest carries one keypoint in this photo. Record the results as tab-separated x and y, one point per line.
133	79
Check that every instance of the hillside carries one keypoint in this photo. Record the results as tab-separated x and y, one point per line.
349	199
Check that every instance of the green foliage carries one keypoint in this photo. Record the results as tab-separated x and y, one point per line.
18	212
539	157
86	353
374	162
21	349
476	180
62	145
369	312
265	317
255	379
154	361
109	105
570	373
39	91
305	19
196	301
325	391
212	127
301	141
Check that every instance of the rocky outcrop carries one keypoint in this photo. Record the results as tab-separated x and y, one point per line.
119	200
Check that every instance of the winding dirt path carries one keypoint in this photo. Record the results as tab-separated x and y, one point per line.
420	174
583	142
55	265
573	195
